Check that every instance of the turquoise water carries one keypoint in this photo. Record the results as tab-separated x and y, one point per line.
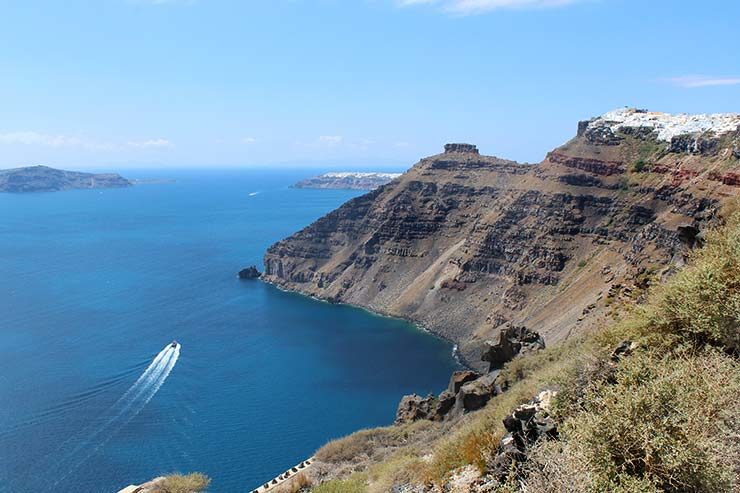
94	285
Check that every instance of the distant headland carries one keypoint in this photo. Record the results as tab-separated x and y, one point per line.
348	180
46	179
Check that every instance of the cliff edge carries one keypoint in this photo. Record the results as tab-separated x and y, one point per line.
467	244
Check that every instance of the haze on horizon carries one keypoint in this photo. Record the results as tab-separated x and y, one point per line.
380	83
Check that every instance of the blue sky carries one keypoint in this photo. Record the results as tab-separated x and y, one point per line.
343	83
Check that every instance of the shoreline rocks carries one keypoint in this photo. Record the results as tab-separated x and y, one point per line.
250	272
468	390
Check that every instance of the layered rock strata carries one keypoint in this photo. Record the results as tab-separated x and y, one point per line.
467	244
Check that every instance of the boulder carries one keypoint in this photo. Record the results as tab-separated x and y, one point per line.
446	402
460	378
513	340
415	407
476	394
525	426
250	272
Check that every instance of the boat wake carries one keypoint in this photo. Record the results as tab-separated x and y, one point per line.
77	450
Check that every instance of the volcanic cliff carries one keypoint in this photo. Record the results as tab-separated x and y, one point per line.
467	244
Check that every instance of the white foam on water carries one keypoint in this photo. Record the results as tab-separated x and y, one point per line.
133	401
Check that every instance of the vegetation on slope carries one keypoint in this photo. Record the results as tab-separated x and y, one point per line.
663	418
189	483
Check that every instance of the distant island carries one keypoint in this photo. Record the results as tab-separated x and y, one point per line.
46	179
349	180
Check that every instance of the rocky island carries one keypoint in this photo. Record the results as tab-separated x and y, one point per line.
348	180
46	179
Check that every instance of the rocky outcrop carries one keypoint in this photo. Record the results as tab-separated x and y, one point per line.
45	179
415	407
469	390
525	426
250	272
468	244
512	342
464	148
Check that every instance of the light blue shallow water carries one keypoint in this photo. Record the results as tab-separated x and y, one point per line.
94	284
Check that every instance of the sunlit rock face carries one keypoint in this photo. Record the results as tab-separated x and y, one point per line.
467	244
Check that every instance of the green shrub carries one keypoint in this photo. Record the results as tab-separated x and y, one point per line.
639	166
663	420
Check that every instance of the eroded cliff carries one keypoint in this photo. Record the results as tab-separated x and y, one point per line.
467	244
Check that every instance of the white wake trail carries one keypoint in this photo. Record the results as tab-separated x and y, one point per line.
121	412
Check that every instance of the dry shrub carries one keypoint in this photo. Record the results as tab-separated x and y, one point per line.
178	483
666	421
373	442
702	303
550	469
399	469
294	485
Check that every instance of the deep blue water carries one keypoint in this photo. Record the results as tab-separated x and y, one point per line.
93	284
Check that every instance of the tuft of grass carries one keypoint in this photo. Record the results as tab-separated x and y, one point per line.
188	483
357	483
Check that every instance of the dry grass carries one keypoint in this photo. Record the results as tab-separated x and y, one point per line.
357	483
294	485
178	483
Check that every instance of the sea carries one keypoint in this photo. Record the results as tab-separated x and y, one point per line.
129	349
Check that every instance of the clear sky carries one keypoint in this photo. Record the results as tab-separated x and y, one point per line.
343	83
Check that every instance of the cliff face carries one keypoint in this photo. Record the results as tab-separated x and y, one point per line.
467	244
45	179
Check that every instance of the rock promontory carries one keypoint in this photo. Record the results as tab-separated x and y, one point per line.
468	244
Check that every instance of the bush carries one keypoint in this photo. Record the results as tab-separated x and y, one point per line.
190	483
365	443
638	166
702	303
664	421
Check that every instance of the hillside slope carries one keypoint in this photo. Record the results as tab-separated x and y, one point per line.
467	244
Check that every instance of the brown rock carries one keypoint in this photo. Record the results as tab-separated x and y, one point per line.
512	341
459	378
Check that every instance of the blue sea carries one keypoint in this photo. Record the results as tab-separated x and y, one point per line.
96	284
